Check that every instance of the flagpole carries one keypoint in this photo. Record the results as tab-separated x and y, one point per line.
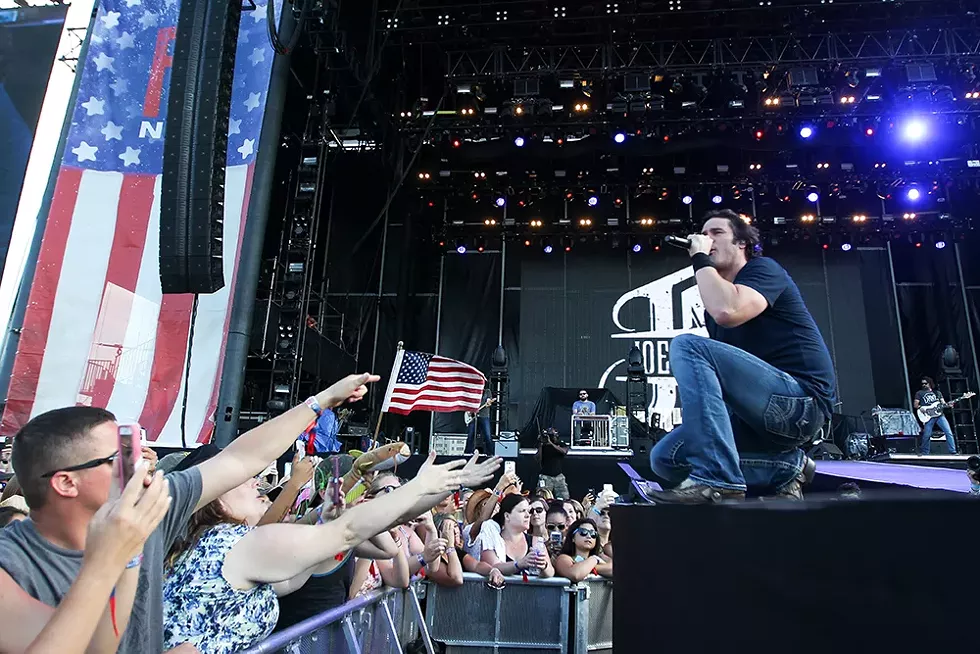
396	366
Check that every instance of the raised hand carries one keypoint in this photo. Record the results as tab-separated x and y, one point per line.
434	549
473	473
349	389
438	479
119	528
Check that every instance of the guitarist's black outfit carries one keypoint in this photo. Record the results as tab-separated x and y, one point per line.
923	398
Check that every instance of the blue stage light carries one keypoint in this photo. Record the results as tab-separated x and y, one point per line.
846	247
687	199
717	199
619	137
914	130
461	249
813	197
593	201
548	249
519	141
940	244
637	247
913	194
806	132
501	201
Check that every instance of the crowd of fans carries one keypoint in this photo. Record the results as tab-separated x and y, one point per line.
202	552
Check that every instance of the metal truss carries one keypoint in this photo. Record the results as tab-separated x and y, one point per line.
705	54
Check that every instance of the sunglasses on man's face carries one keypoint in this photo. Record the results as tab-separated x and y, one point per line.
88	465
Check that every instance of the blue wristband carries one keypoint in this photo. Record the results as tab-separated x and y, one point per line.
136	560
314	405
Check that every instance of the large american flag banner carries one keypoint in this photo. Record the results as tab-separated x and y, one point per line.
427	382
98	331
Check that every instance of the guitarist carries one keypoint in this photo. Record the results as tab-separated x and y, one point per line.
925	397
481	422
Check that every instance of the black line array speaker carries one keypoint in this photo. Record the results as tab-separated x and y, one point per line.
196	145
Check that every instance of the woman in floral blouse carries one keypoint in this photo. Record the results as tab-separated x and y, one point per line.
223	578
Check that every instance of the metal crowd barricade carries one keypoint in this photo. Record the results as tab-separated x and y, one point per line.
540	614
592	608
381	622
477	619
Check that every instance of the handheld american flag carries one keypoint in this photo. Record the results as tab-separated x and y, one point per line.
427	382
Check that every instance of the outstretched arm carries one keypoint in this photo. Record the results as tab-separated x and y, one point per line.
249	454
275	553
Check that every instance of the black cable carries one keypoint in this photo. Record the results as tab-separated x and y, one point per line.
187	374
277	45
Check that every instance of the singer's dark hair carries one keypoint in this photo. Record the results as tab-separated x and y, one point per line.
743	231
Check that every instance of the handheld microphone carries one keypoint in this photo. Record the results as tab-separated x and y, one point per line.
678	242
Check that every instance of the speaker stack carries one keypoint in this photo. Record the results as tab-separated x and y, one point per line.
196	146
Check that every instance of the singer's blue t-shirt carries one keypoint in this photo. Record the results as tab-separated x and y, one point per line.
784	335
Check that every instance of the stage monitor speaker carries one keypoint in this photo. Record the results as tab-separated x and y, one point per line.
826	451
196	147
506	449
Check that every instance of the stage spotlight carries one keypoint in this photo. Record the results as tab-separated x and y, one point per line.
566	243
813	196
717	199
940	244
620	137
870	131
527	242
759	134
914	130
637	247
481	244
460	247
913	194
548	249
500	201
687	199
806	132
519	141
593	201
846	247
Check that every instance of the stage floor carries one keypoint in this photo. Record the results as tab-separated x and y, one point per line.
894	474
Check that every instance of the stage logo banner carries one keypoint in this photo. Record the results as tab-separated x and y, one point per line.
673	307
98	331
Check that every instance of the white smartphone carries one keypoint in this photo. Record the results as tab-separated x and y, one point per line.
509	467
301	448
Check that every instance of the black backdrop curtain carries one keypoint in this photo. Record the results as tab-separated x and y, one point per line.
470	317
930	300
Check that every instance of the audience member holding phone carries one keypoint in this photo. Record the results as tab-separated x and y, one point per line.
97	607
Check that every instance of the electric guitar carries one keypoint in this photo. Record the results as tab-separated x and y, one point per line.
927	412
470	416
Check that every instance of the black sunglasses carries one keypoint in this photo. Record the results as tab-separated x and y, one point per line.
588	533
94	463
555	527
537	509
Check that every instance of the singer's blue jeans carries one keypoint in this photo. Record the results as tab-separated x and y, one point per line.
744	421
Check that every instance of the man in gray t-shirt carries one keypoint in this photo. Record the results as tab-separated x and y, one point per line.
64	458
46	571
